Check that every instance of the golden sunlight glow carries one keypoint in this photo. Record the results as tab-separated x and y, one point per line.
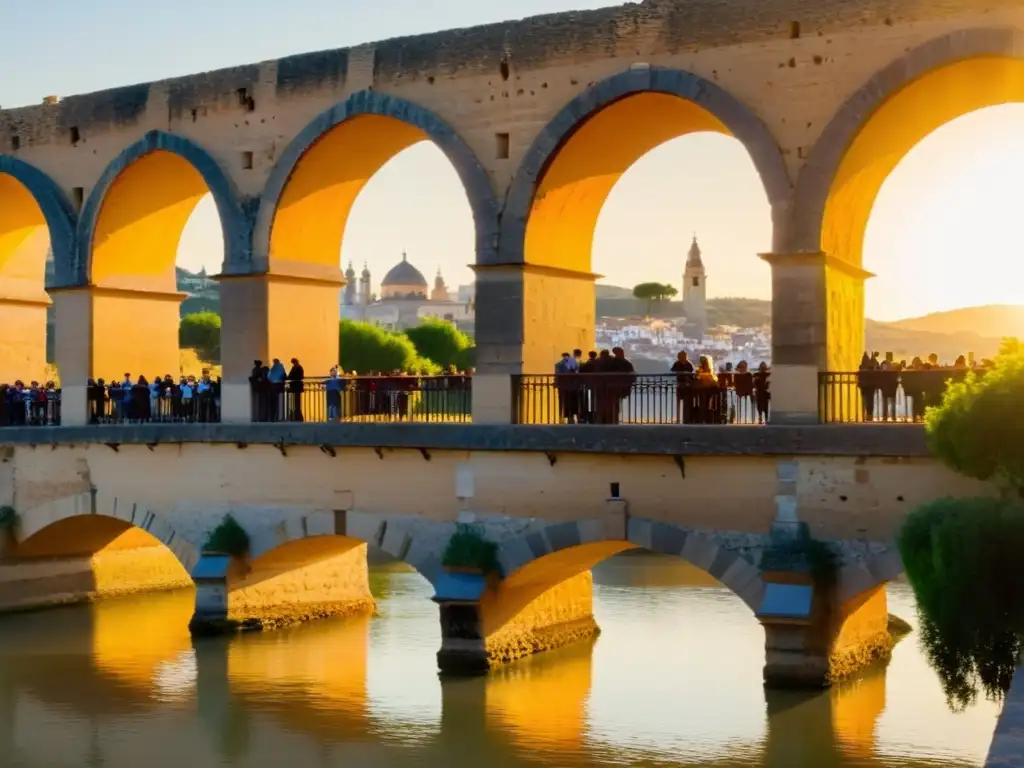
518	590
541	701
892	131
309	223
560	231
24	241
141	218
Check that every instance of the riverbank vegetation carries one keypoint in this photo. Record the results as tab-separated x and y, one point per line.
963	557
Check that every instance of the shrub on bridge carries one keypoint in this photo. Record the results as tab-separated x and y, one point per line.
962	556
228	538
469	548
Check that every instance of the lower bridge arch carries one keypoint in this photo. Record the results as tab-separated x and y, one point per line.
561	551
90	545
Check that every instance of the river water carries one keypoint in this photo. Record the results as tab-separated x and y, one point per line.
673	680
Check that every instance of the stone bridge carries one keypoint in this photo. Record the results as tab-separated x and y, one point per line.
102	511
539	118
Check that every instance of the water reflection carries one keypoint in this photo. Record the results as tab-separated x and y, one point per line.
674	679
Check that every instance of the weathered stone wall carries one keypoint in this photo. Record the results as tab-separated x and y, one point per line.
717	511
507	78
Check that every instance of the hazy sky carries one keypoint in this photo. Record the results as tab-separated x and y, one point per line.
945	231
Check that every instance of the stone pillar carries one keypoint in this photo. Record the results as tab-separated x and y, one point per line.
526	316
817	325
304	580
812	640
485	625
107	332
283	314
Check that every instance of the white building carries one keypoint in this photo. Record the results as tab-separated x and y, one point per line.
405	299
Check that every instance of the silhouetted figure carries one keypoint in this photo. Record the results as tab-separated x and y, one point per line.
296	385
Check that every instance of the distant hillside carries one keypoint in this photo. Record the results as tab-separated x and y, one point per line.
993	321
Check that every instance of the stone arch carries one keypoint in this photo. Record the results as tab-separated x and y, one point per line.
805	231
189	159
864	574
730	116
35	519
56	210
705	550
396	536
423	124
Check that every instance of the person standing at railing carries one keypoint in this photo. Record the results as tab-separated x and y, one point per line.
683	369
588	409
296	386
621	384
96	392
52	395
335	387
762	392
204	396
867	383
277	378
888	385
743	384
566	385
708	392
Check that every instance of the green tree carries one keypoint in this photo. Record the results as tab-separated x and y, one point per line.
962	556
979	428
364	348
653	292
201	332
440	342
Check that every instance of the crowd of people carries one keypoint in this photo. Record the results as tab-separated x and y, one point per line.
163	399
37	405
922	382
595	390
286	395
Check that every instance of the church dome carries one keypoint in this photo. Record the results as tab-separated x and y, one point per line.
405	275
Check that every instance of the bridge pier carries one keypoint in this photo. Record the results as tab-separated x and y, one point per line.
812	639
299	581
486	625
282	315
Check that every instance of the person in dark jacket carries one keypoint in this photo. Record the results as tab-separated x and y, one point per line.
296	385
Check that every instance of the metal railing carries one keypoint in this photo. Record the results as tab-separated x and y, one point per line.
436	399
168	404
630	398
878	396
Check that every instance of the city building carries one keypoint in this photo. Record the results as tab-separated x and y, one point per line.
405	299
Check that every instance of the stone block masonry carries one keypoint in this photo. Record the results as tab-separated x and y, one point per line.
310	579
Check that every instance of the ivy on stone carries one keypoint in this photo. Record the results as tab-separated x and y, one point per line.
9	519
469	548
228	538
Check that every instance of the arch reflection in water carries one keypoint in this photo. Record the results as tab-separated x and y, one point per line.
671	681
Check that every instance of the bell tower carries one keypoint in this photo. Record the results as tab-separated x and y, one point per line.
695	293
